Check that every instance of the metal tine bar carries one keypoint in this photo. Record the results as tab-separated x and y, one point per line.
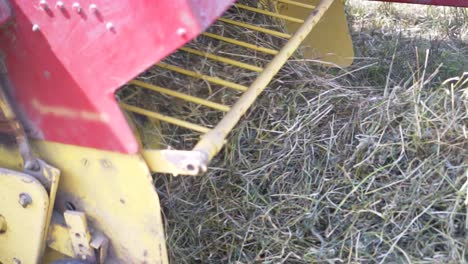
241	43
299	4
164	118
207	78
269	13
212	142
182	96
256	28
222	59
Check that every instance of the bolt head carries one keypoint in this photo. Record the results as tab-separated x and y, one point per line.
35	27
24	200
109	26
181	32
59	5
43	4
76	6
93	8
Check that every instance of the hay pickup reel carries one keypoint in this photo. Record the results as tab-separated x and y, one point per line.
75	176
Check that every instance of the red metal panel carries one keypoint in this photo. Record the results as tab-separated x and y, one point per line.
205	10
5	11
66	59
459	3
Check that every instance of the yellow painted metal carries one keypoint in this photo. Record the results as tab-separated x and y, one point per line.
176	162
207	78
23	205
241	43
179	95
51	256
168	119
61	234
222	59
269	13
49	177
212	142
79	235
256	28
330	40
59	237
5	107
114	190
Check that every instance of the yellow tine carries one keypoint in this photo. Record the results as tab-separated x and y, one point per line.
241	43
207	78
256	28
299	4
183	96
168	119
223	59
269	13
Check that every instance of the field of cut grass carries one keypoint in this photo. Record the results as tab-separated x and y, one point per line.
367	164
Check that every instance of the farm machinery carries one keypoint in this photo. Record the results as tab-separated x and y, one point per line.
76	170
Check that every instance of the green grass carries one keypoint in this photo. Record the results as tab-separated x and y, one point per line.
362	165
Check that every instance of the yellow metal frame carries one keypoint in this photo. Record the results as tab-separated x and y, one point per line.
24	205
114	190
21	240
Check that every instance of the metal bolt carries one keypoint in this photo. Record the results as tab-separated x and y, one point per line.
109	26
93	8
76	6
43	4
181	32
3	225
25	200
85	162
106	163
32	164
59	5
35	27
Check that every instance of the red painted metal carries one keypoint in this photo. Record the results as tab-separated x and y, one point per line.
5	11
66	62
458	3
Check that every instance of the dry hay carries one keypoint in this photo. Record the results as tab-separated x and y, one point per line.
365	165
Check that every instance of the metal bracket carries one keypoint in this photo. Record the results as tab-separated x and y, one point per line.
92	248
79	235
134	229
176	162
49	177
24	206
100	244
